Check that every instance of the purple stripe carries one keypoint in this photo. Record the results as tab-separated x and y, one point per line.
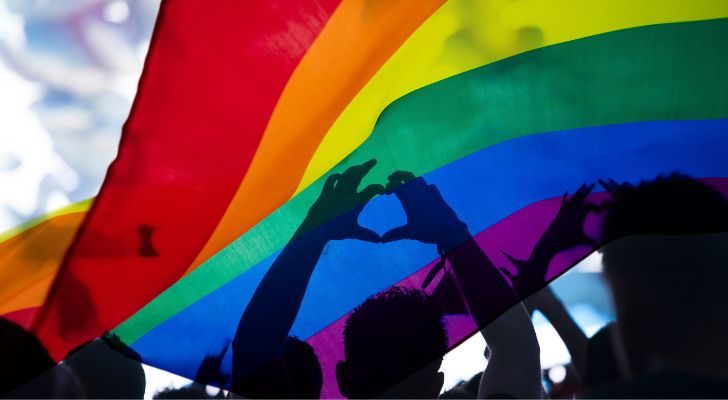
516	235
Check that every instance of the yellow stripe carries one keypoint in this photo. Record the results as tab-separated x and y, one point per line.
465	34
357	40
81	206
30	259
31	253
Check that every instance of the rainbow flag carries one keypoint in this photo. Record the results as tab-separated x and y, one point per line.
244	110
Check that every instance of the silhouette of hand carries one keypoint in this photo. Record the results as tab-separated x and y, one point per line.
337	209
429	218
614	188
565	231
209	370
567	228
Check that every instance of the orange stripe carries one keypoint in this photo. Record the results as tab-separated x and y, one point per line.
360	36
29	261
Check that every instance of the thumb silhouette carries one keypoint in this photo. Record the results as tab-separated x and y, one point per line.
398	233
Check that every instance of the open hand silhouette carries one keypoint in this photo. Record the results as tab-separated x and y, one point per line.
429	218
565	231
337	209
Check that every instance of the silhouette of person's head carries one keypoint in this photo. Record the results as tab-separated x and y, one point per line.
304	369
106	368
667	266
296	374
23	356
673	205
389	337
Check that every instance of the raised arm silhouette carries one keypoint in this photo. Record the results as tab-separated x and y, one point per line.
394	341
565	231
514	367
259	367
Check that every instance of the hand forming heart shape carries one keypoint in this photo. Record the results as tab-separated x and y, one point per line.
335	213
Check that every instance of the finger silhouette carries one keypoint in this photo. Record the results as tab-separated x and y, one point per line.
519	264
511	277
402	176
397	179
370	191
365	234
352	177
580	196
399	233
610	185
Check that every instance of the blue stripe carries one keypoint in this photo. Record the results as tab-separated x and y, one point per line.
482	188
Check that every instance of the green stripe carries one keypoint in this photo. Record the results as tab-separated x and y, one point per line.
662	72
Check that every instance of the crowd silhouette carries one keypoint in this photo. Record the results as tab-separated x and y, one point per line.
665	253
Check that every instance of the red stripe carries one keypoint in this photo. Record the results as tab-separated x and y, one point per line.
213	74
